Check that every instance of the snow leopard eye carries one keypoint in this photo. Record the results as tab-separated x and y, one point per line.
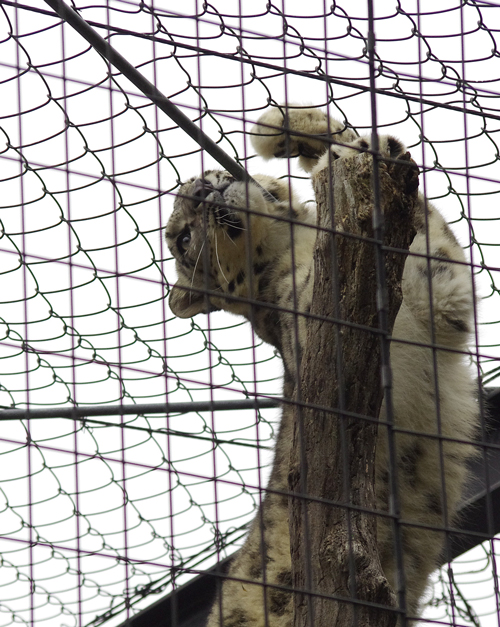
184	240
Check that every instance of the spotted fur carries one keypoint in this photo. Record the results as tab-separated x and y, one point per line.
241	250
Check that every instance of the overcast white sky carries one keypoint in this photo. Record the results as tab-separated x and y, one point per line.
75	333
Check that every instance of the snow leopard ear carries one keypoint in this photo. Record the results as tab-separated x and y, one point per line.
186	303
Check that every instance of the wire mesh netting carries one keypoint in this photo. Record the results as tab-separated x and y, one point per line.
99	515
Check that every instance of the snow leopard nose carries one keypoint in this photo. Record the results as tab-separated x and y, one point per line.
202	188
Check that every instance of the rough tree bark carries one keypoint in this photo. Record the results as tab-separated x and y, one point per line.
339	451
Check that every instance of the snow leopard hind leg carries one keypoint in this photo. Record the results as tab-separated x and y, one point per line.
434	396
254	592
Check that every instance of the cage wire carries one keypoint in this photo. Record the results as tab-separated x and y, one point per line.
101	513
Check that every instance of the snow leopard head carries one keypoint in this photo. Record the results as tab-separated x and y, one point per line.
219	228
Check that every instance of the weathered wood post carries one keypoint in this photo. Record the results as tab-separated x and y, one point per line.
333	449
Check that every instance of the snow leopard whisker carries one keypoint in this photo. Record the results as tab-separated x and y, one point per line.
195	266
230	238
231	224
218	260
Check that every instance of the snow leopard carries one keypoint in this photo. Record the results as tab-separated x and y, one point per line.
235	250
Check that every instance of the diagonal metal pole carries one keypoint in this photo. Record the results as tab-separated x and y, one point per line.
105	49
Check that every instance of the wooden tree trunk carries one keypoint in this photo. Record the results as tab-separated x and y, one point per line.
341	369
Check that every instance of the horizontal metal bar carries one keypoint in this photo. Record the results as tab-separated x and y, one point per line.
140	408
190	605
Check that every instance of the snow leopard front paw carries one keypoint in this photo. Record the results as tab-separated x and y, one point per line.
304	133
389	148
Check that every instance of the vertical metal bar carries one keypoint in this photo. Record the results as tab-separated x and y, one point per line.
206	271
249	271
483	413
437	402
382	305
117	207
308	576
335	283
31	517
173	607
76	423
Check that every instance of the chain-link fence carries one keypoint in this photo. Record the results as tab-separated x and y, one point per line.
102	509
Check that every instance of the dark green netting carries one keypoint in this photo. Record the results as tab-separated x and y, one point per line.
99	516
